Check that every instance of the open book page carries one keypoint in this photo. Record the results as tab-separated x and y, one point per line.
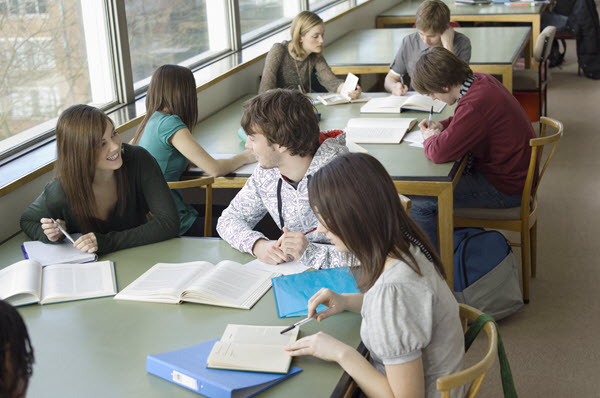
255	348
378	130
395	103
415	138
21	283
420	102
62	282
229	284
291	267
164	283
57	253
245	169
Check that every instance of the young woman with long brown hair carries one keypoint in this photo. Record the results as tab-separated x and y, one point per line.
299	63
410	321
171	114
103	189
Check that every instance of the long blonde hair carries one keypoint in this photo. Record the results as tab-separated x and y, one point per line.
303	22
79	132
172	87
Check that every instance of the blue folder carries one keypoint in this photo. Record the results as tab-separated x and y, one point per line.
293	291
187	368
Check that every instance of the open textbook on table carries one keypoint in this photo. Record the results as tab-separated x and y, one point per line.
227	284
28	282
397	103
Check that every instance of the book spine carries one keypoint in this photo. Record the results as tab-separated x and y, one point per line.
179	376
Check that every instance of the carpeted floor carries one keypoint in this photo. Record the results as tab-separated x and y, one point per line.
552	343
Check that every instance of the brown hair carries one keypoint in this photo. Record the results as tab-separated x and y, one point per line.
285	117
433	16
16	353
438	70
303	22
355	198
172	87
79	132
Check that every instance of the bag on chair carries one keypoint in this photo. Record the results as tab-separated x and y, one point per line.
485	272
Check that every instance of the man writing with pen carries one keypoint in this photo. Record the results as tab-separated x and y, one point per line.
283	133
433	30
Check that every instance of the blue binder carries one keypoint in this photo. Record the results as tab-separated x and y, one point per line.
187	368
293	291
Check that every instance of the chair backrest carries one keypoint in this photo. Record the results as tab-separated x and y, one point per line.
406	203
543	44
475	374
535	172
203	182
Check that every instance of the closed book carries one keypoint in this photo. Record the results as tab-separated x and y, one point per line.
292	292
187	368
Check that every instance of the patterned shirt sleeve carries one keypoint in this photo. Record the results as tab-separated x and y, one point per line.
320	255
243	213
325	75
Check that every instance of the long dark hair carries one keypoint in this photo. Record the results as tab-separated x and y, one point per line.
172	87
16	353
79	132
355	198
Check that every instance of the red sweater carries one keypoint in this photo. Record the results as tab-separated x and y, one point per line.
489	123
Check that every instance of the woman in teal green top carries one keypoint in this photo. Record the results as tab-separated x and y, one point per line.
172	112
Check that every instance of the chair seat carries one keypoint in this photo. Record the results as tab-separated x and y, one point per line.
511	213
525	80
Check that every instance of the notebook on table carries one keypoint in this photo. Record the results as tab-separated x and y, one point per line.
56	253
398	103
292	292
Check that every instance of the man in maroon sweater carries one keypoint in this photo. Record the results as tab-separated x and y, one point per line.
489	126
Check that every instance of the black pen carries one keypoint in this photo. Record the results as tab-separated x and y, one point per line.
305	320
430	114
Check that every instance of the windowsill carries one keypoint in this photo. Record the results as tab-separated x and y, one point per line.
39	161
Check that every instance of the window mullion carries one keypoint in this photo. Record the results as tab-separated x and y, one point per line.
117	23
234	25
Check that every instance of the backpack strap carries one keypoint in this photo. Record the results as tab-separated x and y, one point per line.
508	385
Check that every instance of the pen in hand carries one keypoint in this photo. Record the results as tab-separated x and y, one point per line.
61	229
305	320
430	114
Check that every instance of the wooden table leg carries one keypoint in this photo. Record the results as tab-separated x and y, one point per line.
507	78
446	232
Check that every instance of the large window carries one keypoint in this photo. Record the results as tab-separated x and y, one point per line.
181	32
52	54
260	16
56	53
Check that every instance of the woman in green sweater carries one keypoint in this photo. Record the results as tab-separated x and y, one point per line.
103	189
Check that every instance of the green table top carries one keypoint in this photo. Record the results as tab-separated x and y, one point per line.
489	45
218	134
409	8
98	348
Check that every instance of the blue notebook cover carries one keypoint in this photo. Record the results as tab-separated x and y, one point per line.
293	291
187	368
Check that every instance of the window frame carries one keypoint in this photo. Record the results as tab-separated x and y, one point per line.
125	94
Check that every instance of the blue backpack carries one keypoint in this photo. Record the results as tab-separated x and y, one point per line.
485	272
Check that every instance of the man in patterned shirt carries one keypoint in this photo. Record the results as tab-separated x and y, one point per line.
283	132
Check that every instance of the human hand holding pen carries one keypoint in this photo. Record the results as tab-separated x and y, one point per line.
51	229
293	244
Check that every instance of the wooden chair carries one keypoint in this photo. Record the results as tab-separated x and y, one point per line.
531	81
203	182
406	203
521	219
475	374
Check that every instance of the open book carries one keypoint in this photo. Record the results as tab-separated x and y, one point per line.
395	104
227	284
343	97
378	130
55	253
27	282
253	348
